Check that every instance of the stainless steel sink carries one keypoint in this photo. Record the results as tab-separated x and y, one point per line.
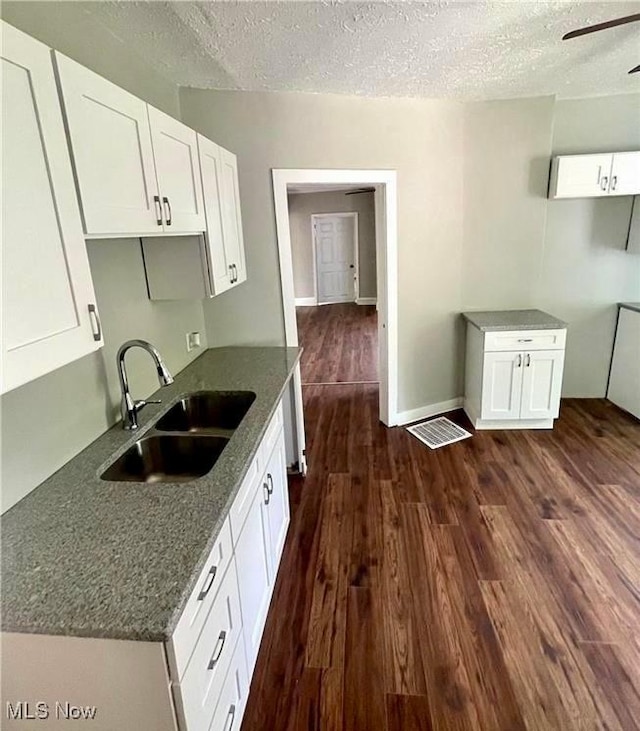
211	412
167	458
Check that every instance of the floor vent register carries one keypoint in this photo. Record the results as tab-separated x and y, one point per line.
438	432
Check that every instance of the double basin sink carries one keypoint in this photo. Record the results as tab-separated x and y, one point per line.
186	442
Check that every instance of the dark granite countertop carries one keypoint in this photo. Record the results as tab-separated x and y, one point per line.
492	321
90	558
630	306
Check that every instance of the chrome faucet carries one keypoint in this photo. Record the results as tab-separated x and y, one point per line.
130	408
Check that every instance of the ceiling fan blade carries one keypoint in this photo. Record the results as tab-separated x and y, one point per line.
635	70
601	26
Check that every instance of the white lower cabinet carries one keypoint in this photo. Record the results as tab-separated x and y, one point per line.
210	694
509	388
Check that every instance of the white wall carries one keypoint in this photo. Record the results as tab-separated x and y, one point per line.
585	269
421	139
301	207
48	421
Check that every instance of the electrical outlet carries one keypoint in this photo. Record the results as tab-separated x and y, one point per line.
193	340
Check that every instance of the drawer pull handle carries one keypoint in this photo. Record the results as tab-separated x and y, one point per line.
267	496
218	650
208	582
156	200
519	363
525	340
270	483
231	715
167	210
528	361
97	331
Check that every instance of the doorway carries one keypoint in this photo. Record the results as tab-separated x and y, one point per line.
383	185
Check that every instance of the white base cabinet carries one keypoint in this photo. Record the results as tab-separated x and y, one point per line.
199	680
513	379
624	380
49	313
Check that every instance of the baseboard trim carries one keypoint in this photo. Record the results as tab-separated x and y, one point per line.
424	412
366	300
306	301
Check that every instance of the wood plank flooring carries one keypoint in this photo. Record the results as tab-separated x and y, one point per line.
340	343
490	584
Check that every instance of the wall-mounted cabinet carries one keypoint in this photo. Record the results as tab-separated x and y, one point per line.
136	168
595	176
49	315
201	267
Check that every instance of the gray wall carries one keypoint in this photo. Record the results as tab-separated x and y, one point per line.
585	269
70	28
301	207
421	139
48	421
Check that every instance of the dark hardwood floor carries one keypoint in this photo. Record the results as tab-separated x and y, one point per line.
340	343
490	584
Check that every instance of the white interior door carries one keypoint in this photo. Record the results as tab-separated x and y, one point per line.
46	280
112	153
541	384
335	247
175	150
502	385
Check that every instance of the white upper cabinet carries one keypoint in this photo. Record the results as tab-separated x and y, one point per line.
225	245
49	316
136	168
175	150
112	153
625	173
231	219
595	176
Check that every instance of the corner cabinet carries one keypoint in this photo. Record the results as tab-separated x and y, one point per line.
49	314
203	266
513	379
595	176
136	168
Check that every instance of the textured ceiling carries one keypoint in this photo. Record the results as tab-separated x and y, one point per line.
472	50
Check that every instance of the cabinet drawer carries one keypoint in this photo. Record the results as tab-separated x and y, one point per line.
233	696
271	435
199	603
199	690
523	340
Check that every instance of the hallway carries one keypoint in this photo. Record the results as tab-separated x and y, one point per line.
340	343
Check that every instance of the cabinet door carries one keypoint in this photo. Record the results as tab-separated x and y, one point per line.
46	281
112	153
581	176
501	385
541	384
278	507
175	151
625	173
220	268
231	219
252	559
